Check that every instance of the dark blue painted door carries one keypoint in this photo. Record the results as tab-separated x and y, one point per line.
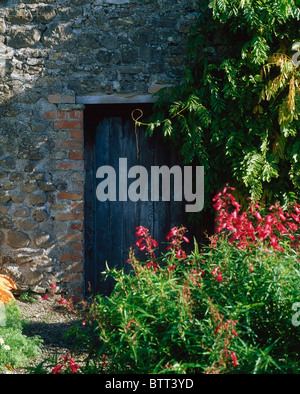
110	225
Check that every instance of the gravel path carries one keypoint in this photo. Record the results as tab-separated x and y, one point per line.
49	320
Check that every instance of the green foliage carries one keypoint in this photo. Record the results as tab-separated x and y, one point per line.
260	289
26	296
183	318
236	111
16	349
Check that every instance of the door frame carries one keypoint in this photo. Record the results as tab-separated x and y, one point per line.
101	102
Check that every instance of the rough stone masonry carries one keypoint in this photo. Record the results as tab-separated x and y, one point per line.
51	53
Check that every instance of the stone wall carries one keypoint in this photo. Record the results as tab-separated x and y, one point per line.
51	54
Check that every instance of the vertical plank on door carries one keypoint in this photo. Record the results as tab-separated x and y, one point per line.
115	207
146	159
101	215
131	209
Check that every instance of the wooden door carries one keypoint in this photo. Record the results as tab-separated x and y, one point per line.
110	225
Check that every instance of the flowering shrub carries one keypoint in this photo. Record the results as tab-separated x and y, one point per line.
252	228
226	308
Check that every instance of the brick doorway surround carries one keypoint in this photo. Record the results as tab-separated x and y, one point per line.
68	204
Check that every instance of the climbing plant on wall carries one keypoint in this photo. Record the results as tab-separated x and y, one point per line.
237	110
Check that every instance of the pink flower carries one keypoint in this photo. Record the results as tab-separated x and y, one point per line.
296	209
274	243
217	196
293	226
214	271
62	301
282	217
258	216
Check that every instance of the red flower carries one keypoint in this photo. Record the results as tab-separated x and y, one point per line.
280	227
219	277
154	243
141	231
140	244
217	329
218	205
172	232
57	369
181	254
74	367
62	301
66	360
234	332
45	297
152	264
234	359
